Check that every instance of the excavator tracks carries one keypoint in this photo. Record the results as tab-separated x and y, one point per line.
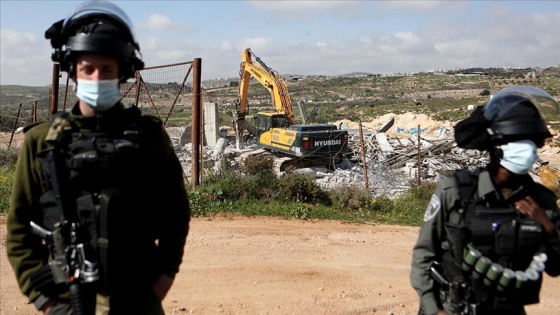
282	162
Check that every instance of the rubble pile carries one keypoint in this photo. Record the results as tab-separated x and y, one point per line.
389	170
394	163
394	160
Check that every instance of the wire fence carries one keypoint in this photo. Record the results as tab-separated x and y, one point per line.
160	91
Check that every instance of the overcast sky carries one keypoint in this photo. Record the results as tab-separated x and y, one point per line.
304	37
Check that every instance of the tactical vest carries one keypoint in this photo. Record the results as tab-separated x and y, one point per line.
501	235
97	173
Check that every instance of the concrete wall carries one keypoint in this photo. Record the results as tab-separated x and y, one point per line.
211	124
182	135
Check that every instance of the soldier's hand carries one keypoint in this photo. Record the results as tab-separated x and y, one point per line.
441	312
162	286
531	209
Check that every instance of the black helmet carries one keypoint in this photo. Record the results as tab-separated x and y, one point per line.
515	113
96	27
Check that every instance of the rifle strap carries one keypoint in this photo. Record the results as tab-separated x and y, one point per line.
466	184
54	175
465	180
103	239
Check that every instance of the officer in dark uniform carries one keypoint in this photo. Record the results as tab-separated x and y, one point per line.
103	178
489	234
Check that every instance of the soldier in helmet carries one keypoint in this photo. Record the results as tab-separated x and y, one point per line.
489	234
103	179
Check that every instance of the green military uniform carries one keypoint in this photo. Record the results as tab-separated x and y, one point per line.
147	224
443	208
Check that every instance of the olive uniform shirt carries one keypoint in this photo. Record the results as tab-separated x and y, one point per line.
432	241
148	237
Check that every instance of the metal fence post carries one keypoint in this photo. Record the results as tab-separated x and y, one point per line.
196	126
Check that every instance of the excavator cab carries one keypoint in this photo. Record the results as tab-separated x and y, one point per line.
266	121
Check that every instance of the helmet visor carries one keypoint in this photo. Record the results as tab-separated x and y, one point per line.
503	105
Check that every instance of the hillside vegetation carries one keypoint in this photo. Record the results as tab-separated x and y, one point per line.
444	96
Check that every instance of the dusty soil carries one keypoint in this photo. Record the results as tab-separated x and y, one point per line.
7	140
238	265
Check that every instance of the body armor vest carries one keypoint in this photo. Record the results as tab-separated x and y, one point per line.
502	237
98	174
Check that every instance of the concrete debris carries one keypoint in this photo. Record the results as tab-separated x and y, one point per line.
393	161
386	126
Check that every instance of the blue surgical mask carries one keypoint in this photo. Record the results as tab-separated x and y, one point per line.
99	95
519	156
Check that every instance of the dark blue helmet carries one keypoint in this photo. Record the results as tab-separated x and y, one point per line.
518	112
513	114
96	27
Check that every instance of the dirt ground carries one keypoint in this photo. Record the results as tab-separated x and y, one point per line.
238	265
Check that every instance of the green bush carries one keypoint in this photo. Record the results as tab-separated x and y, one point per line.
302	188
264	186
349	197
301	212
232	185
223	186
200	204
409	207
204	205
298	196
257	165
381	206
7	175
8	158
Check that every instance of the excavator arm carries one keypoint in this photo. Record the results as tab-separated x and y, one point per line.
276	130
270	79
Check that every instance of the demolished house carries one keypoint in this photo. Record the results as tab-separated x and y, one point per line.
396	151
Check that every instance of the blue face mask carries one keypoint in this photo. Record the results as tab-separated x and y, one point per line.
519	156
99	95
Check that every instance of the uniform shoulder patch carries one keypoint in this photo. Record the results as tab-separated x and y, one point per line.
433	208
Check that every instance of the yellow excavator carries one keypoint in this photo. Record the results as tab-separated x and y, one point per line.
276	130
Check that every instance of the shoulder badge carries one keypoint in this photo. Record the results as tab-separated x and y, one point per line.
58	127
433	208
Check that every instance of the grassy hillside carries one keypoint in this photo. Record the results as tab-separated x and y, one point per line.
444	96
12	95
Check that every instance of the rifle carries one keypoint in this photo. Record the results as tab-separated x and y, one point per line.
454	294
73	262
